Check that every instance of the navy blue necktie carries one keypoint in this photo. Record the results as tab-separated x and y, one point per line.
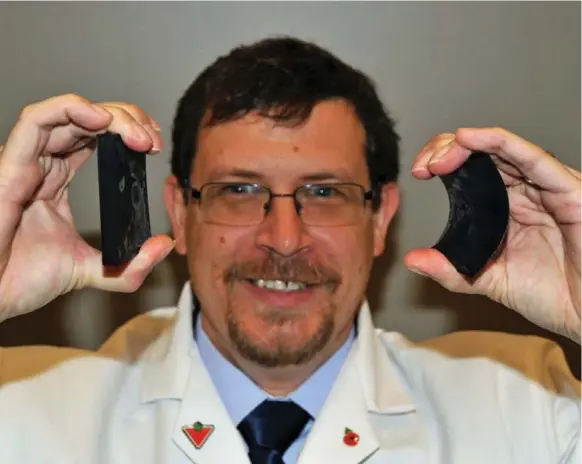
271	428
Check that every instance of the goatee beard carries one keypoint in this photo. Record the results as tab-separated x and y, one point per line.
279	353
282	351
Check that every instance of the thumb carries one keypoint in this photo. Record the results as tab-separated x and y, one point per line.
431	263
129	278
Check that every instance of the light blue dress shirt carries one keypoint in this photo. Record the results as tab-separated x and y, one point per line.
241	395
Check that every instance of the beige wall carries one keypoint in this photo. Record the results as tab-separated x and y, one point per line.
438	66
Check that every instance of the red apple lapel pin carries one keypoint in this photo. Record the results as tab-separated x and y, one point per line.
198	433
351	438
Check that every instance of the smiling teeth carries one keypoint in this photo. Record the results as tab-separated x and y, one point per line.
279	285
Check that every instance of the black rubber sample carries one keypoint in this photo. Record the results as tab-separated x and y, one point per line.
123	200
478	215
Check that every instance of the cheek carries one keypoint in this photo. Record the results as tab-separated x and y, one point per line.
351	248
212	249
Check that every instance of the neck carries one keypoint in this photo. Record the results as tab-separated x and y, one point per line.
276	381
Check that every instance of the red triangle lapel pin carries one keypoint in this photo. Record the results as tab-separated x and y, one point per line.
198	433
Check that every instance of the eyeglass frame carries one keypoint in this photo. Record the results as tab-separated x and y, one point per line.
196	194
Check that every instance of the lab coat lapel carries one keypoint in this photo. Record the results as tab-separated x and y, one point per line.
344	409
218	439
174	371
368	383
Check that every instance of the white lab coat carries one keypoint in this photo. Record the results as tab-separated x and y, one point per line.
467	398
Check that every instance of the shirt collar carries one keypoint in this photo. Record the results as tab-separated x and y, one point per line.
241	395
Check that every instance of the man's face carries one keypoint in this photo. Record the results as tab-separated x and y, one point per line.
237	271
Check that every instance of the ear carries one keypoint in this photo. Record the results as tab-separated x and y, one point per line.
177	210
390	201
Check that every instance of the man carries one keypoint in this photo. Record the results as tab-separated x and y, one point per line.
283	187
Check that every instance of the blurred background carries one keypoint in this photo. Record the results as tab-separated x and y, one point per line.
438	66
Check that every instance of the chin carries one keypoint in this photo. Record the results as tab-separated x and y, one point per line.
276	337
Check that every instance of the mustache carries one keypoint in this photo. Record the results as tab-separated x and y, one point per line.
276	267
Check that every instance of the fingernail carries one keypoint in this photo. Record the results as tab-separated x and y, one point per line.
421	165
417	271
99	109
155	125
151	131
440	154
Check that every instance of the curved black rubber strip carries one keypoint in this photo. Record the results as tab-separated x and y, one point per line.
478	215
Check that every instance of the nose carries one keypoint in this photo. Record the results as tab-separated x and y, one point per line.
282	230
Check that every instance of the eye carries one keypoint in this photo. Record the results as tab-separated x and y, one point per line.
239	189
323	191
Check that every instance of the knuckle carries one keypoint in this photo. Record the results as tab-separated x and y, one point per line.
67	99
501	137
133	284
27	111
72	99
71	96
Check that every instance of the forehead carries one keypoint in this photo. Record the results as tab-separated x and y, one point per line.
331	140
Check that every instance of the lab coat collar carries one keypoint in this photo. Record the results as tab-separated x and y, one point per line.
384	389
169	361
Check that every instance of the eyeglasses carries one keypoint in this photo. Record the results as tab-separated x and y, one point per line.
245	204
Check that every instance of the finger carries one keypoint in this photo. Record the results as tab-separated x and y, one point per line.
436	146
531	160
453	155
439	139
131	123
138	113
153	251
574	172
433	264
133	132
151	126
29	135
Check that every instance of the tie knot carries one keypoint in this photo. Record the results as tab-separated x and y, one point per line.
273	425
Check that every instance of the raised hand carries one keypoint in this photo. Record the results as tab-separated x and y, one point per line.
42	255
538	271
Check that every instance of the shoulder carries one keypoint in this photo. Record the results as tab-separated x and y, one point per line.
535	358
125	345
520	386
132	339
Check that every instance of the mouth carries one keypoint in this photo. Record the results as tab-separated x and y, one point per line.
280	285
280	293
